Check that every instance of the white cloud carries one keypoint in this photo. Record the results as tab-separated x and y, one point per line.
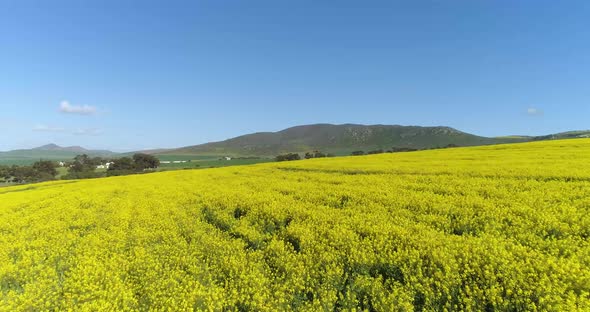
44	128
67	108
531	111
88	131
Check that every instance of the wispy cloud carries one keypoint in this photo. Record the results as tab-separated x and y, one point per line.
79	131
44	128
532	111
88	131
67	108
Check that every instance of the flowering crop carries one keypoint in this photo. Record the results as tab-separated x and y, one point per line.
495	228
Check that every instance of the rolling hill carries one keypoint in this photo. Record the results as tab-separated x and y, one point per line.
564	135
339	140
47	152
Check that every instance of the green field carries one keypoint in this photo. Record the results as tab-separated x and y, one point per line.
28	157
173	157
206	162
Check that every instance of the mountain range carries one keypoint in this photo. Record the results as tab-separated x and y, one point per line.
343	139
48	152
328	138
338	139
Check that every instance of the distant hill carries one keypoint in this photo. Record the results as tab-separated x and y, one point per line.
53	147
48	152
327	138
339	140
564	135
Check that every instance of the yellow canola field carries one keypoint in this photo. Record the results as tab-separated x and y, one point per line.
496	228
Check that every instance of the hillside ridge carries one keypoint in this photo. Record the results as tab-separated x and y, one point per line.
339	139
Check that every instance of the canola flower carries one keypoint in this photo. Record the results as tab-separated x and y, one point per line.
495	228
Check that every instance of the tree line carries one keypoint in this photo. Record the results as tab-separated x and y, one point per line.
318	154
40	171
400	150
307	155
81	167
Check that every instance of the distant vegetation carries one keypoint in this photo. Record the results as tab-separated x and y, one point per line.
81	167
38	172
288	157
137	164
399	150
85	167
307	155
317	154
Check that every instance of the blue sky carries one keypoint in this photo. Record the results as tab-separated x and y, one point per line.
127	75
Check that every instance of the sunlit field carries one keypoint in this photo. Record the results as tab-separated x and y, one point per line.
496	228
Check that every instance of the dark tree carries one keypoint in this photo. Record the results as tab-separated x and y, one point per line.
288	157
25	174
318	154
83	159
5	172
357	153
83	163
77	166
145	161
45	166
314	154
124	163
402	149
96	161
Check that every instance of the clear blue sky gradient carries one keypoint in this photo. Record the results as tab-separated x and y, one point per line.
167	73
